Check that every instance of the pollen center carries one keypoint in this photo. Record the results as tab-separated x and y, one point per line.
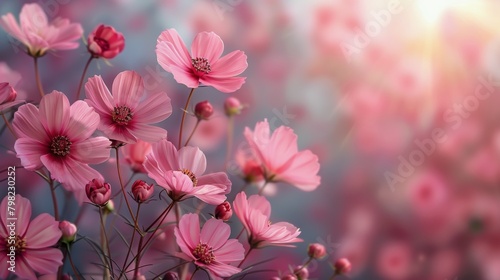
17	242
204	253
122	115
191	176
201	64
102	43
60	146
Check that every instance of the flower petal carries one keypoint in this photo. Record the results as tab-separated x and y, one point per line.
44	261
175	52
207	45
226	84
27	123
127	89
43	232
188	233
231	251
98	96
55	112
149	133
91	151
215	233
83	121
194	159
230	65
155	108
30	151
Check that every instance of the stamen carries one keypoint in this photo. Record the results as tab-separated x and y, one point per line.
201	64
122	115
191	176
60	146
204	253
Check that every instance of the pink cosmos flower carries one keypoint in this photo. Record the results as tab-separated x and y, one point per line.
181	173
280	158
209	248
37	34
33	241
254	214
8	97
57	136
105	42
135	154
127	114
205	64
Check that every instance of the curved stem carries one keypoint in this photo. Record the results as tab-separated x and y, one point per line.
194	272
105	246
83	77
262	188
72	264
246	256
54	199
183	117
131	243
192	132
7	123
123	189
37	78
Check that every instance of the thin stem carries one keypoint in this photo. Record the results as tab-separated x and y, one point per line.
123	188
131	244
262	188
194	272
72	264
83	77
192	132
37	78
305	264
138	259
230	128
184	116
7	123
246	255
54	199
105	246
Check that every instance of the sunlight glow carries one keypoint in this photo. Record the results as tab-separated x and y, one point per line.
433	10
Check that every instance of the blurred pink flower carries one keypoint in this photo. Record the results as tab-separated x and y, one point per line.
135	154
205	64
33	241
37	34
105	42
181	173
209	248
57	136
394	260
125	116
280	158
254	214
8	97
210	132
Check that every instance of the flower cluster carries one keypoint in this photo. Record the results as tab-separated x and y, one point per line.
59	139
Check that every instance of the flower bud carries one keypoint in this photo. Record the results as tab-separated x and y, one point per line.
98	192
203	110
316	251
142	191
301	272
68	232
7	93
232	106
289	277
223	211
171	276
105	42
342	266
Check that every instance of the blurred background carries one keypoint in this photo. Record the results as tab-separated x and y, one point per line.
399	99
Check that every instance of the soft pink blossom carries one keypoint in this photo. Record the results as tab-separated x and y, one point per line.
105	42
209	248
38	34
57	136
204	65
34	241
279	155
135	154
342	266
181	173
316	250
142	191
8	97
128	113
255	214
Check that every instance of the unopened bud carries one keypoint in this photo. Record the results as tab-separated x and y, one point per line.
232	106
223	211
342	266
68	231
316	251
203	110
142	191
98	192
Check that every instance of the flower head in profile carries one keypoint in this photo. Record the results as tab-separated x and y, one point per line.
127	114
280	158
105	42
135	154
204	65
8	97
38	34
33	241
57	136
209	248
181	173
254	214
